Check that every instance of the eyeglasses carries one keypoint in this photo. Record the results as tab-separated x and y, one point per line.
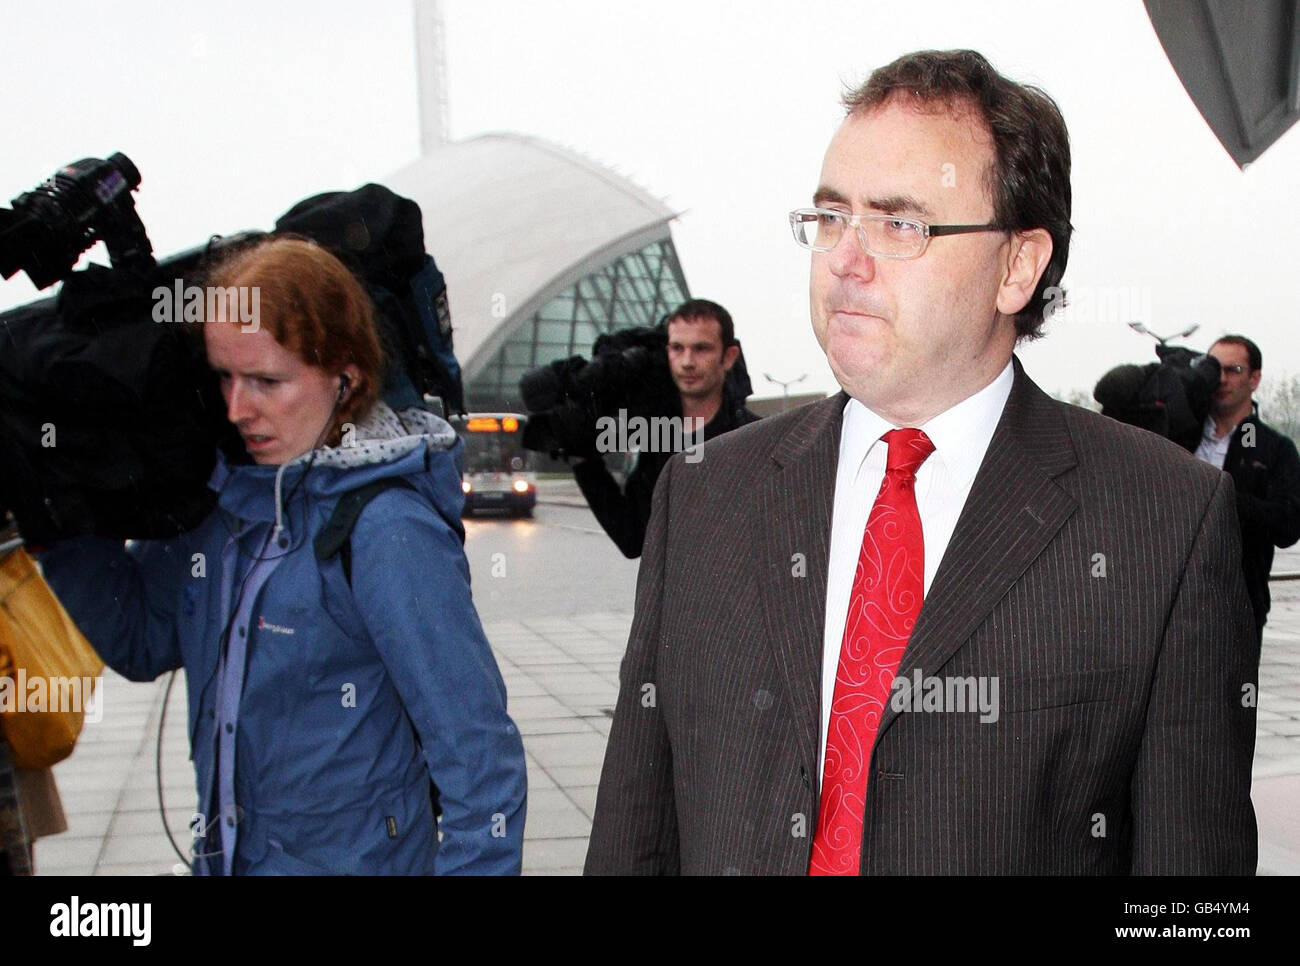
884	236
1236	370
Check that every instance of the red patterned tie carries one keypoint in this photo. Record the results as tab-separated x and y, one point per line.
888	587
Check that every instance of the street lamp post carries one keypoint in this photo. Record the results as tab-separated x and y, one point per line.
785	388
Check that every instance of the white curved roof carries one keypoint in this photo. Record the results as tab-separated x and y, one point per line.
513	221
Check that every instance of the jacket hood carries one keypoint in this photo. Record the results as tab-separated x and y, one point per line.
414	444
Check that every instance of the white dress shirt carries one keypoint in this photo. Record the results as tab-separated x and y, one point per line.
961	437
1213	448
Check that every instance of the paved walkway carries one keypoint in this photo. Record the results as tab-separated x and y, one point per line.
563	492
562	676
1276	788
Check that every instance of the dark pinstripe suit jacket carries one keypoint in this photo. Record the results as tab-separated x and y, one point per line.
1126	724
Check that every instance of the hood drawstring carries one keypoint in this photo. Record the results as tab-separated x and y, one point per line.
279	510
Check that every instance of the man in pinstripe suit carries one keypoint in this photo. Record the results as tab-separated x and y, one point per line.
1085	573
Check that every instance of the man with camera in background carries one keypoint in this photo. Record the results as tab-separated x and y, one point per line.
1262	462
702	349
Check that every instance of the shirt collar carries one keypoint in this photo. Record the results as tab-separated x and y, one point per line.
960	434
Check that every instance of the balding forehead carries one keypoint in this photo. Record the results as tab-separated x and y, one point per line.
898	158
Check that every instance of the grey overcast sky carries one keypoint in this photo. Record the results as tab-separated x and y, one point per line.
234	111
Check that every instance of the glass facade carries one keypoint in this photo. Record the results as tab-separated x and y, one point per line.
636	289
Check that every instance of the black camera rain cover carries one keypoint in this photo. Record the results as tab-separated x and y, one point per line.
109	421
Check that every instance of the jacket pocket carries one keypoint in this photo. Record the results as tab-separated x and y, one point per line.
279	862
1037	692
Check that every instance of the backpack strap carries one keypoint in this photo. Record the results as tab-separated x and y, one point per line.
336	536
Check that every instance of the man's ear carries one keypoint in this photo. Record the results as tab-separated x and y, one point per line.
1027	258
729	357
1254	379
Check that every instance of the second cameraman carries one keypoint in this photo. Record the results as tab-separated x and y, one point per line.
701	351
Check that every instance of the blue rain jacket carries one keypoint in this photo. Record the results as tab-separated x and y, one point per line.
353	697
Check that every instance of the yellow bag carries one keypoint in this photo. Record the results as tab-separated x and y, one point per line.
47	668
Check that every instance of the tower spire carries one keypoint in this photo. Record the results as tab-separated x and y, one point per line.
431	74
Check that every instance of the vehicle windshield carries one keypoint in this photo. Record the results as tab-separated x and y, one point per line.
493	452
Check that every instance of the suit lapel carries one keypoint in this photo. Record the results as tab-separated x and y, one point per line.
794	509
1014	509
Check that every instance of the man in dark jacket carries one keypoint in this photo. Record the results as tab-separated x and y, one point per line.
702	348
1263	464
1090	568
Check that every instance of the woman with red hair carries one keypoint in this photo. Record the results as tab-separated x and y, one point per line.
346	713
